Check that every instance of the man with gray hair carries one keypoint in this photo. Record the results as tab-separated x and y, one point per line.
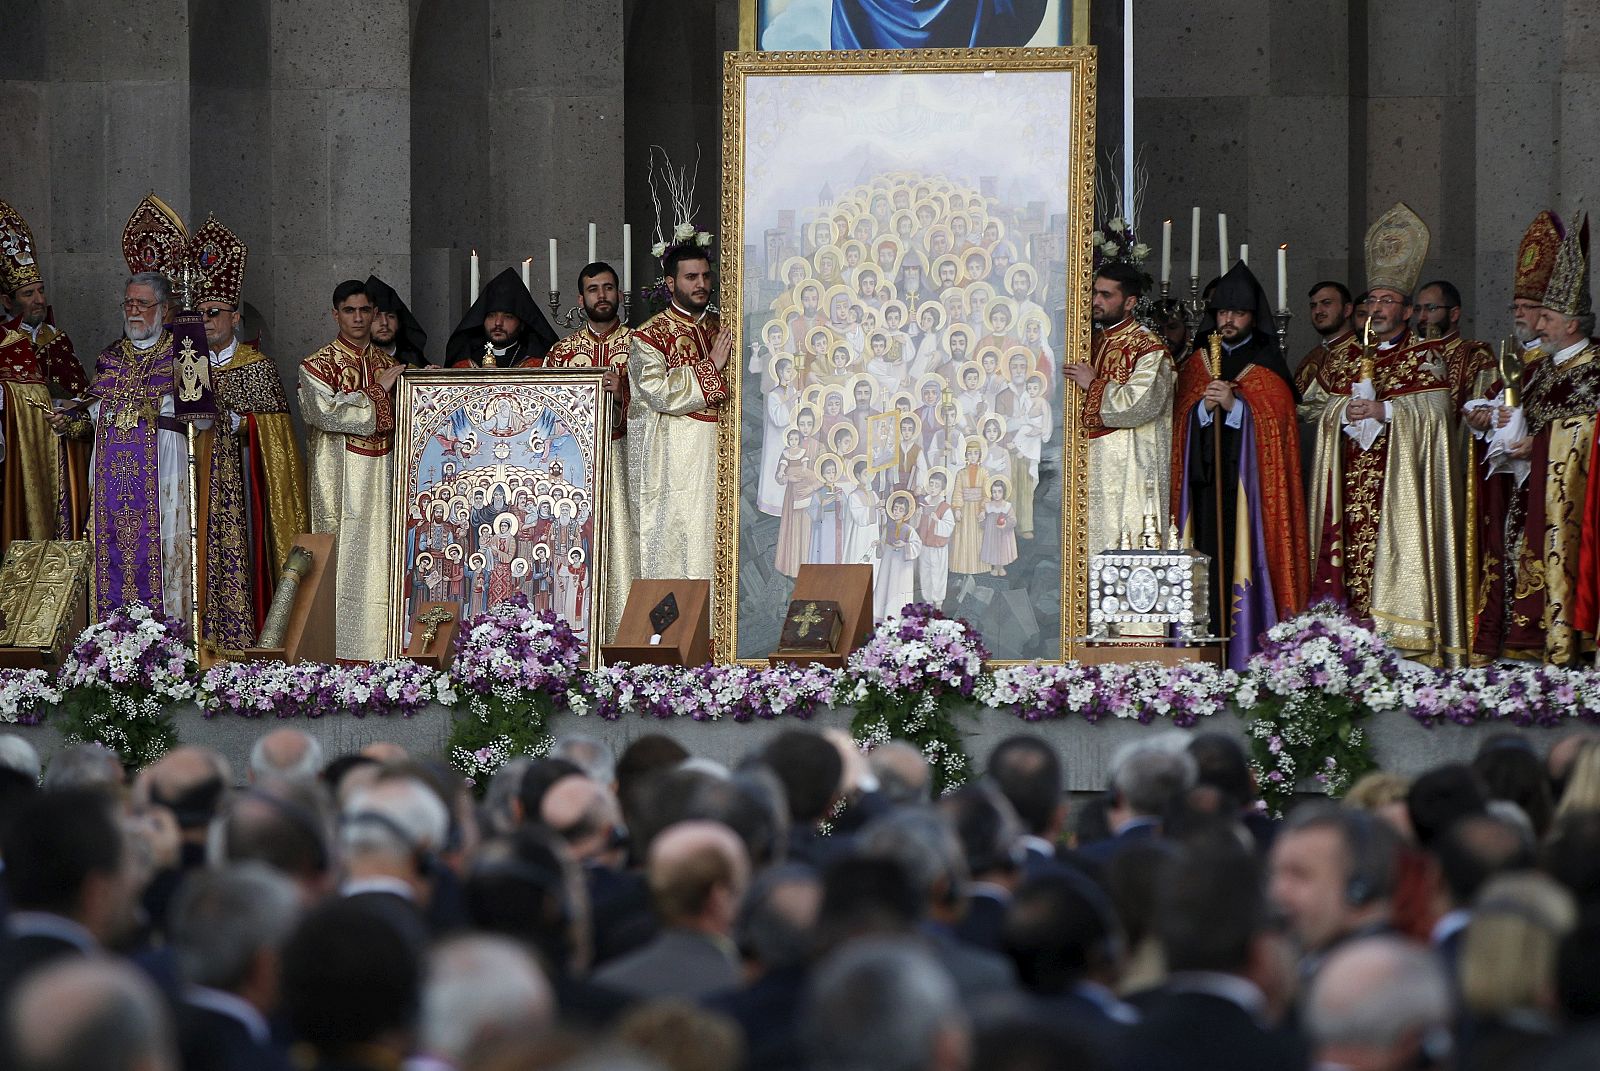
1145	782
141	524
902	772
91	1013
17	754
286	755
390	832
479	987
1381	1004
591	756
884	1004
86	765
227	927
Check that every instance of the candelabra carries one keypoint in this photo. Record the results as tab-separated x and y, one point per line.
1282	318
627	307
569	319
1194	310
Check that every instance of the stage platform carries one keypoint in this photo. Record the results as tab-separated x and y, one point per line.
1400	743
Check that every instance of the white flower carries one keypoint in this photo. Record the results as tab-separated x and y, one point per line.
1096	237
1116	223
703	239
683	232
1109	249
658	249
1140	251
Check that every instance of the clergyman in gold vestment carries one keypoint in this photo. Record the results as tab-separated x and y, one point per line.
675	372
346	398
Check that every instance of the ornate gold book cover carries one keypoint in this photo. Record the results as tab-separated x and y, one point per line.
40	584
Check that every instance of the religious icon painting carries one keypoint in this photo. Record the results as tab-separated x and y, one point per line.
906	246
818	25
500	491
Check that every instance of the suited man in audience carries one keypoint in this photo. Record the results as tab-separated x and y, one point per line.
1028	774
227	926
1145	783
697	872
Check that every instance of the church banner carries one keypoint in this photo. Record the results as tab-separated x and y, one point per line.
500	490
906	261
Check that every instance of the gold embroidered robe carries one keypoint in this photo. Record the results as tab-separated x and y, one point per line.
585	349
350	471
1127	414
30	499
681	393
252	496
1386	523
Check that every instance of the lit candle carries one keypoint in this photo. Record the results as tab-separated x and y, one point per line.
1222	243
627	258
1244	255
527	264
1283	276
474	275
1166	251
554	285
591	243
1194	244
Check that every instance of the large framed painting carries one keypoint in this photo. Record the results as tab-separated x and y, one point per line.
821	25
499	490
906	262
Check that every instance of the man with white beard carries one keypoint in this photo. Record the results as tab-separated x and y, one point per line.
140	472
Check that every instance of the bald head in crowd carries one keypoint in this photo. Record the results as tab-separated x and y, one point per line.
901	771
697	873
287	755
1380	1004
96	1013
191	782
585	814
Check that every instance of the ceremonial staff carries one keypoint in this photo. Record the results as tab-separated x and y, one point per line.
1214	366
193	401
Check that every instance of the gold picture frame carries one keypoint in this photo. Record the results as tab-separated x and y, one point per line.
765	198
493	449
753	15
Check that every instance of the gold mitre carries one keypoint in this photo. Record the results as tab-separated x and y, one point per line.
1396	247
19	266
1568	292
218	258
155	239
1536	256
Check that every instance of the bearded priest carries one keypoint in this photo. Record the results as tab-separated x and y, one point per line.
1386	476
1260	565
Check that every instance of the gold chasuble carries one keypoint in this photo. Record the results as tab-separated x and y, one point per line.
30	499
585	349
1127	414
252	495
350	470
670	372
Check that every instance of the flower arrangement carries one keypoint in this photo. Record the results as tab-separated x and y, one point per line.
676	184
1316	678
903	681
24	695
513	668
706	693
1142	691
120	676
1114	242
312	690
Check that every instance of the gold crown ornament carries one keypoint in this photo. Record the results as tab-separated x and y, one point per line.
208	266
1536	256
19	266
155	239
217	257
1396	246
1568	291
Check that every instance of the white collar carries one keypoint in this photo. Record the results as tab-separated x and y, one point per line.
49	924
224	355
1231	346
378	883
1229	987
501	351
1562	356
685	312
147	343
233	1006
1449	924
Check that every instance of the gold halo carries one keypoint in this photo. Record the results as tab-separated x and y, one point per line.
991	418
800	410
900	496
1024	268
829	456
941	470
894	303
938	311
841	429
966	366
988	486
934	380
794	262
912	416
1000	303
1035	318
981	253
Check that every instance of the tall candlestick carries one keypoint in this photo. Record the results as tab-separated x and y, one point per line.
627	258
1166	251
1127	113
527	264
1194	244
474	275
1244	255
1222	243
591	244
554	281
1283	276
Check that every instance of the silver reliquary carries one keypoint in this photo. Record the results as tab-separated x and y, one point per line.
1151	586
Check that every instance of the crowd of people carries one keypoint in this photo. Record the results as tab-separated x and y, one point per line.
811	907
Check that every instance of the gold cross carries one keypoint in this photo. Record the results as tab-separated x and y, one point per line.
433	619
808	618
488	355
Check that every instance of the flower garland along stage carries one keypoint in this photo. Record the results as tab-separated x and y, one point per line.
1306	699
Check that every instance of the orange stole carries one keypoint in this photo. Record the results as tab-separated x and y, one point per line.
1277	443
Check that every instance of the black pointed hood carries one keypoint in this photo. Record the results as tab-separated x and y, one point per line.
505	293
411	340
1240	289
